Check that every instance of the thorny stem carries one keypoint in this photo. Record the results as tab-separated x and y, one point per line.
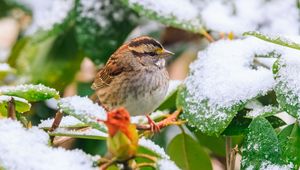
228	150
11	109
233	153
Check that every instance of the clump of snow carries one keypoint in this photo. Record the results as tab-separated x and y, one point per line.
183	11
165	164
153	147
223	74
22	148
142	119
82	107
67	121
266	165
47	13
239	16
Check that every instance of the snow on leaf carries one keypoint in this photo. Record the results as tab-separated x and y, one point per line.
263	111
21	104
47	14
86	133
98	27
165	164
66	122
30	92
238	16
84	110
286	72
261	145
146	143
283	41
221	80
177	13
22	148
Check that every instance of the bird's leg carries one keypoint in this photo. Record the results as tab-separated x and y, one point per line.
153	126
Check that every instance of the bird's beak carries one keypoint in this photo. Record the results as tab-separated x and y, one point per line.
166	53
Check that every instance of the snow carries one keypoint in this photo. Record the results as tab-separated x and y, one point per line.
67	121
153	147
143	119
259	111
47	13
173	85
22	148
28	87
224	76
165	164
5	67
270	166
239	16
83	106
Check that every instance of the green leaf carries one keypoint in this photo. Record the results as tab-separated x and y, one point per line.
208	120
286	72
87	133
84	110
289	140
155	10
276	40
21	104
187	153
52	62
32	93
98	26
261	146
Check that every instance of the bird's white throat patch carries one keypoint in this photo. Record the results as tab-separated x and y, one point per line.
161	63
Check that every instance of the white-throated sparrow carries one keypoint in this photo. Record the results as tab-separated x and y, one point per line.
134	77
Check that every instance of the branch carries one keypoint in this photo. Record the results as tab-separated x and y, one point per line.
228	151
11	109
233	153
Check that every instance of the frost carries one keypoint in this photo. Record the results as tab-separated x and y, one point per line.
239	16
270	166
47	13
28	149
67	121
153	147
165	164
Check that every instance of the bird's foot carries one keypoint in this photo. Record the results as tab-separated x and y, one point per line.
153	126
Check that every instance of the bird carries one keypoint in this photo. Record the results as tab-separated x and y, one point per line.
134	77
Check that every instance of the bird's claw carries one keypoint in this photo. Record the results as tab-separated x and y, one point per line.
153	126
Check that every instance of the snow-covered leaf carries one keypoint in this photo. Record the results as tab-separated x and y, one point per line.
177	13
261	147
289	140
275	39
21	104
221	81
165	164
263	111
84	110
188	154
98	25
22	148
286	71
66	122
85	133
30	92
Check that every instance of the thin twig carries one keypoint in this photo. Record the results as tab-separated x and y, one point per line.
146	164
57	120
233	153
228	150
11	109
108	164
